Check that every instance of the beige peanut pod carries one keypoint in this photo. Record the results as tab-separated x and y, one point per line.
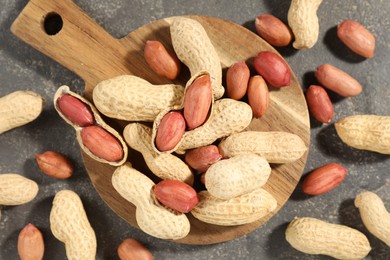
98	121
374	215
152	217
365	132
194	48
131	98
240	210
16	189
274	146
163	165
69	224
19	108
314	236
227	117
303	21
238	175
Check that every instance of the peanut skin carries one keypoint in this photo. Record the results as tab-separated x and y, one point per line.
357	38
170	131
319	104
131	249
273	30
337	80
314	236
258	96
54	164
202	158
237	77
162	60
30	243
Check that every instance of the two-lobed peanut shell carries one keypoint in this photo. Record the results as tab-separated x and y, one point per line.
16	189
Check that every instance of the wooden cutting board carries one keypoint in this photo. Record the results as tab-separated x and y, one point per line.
85	48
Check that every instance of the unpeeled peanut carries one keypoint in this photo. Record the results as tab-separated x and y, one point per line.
131	249
69	224
319	104
30	243
176	195
202	158
126	97
324	179
237	77
195	49
54	164
98	140
374	215
365	132
303	21
273	30
197	101
163	165
258	96
152	218
170	131
337	80
272	68
357	38
274	146
161	60
314	236
16	189
240	210
241	174
228	116
19	108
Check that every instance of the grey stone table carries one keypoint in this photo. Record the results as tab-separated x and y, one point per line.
22	67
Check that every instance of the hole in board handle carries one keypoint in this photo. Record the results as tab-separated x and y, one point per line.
52	23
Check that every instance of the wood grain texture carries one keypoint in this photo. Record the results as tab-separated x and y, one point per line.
85	48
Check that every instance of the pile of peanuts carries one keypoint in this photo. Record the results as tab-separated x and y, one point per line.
198	124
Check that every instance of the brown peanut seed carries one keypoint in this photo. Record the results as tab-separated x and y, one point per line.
30	243
170	131
272	68
75	110
197	101
162	60
202	158
319	104
258	96
101	143
131	249
237	77
54	164
273	30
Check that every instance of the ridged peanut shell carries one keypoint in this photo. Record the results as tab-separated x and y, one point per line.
194	48
236	176
98	121
19	108
365	132
163	165
303	21
152	217
69	224
227	117
374	215
240	210
274	146
132	98
314	236
16	189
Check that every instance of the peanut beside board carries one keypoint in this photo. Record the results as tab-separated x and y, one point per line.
19	108
314	236
366	132
69	224
374	215
16	189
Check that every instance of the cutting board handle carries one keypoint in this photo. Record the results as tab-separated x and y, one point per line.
76	41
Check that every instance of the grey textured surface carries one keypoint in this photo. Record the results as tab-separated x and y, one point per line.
22	67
